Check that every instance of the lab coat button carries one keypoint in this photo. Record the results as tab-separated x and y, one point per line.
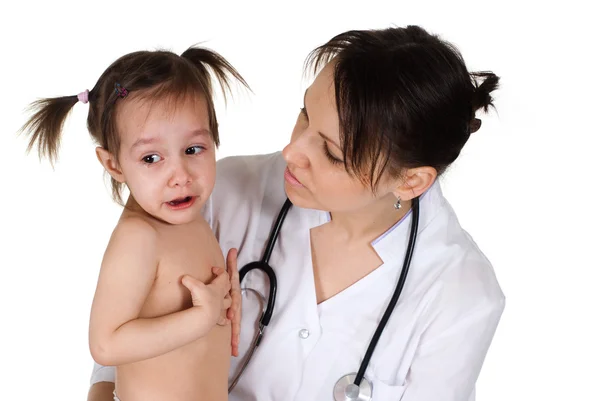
303	334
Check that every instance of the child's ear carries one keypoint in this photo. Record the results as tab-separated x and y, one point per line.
110	164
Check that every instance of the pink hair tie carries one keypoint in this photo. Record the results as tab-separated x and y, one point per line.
84	96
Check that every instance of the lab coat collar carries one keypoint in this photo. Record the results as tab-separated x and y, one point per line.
388	244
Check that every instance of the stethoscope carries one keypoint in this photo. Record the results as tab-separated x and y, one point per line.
352	386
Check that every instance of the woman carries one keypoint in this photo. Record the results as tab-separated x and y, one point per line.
388	112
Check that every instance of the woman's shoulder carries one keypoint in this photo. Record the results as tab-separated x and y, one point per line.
456	277
462	274
469	281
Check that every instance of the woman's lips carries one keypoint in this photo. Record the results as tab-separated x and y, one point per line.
291	179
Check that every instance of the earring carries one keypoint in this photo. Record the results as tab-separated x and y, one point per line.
397	205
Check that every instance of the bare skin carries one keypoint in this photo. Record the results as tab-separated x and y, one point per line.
161	308
164	336
103	391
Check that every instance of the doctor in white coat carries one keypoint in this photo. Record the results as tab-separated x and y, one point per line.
387	113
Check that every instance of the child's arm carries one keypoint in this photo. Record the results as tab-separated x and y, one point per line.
117	334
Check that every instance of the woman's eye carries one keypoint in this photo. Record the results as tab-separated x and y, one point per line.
194	150
150	159
332	158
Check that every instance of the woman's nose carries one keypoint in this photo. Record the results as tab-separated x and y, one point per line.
295	151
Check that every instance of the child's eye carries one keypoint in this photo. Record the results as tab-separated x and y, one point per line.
194	150
151	159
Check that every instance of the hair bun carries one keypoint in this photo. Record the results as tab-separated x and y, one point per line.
482	92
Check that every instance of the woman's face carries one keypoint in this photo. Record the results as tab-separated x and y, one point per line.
315	177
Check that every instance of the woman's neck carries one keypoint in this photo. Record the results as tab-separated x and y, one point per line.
370	222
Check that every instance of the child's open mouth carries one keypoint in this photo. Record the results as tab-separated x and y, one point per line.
181	203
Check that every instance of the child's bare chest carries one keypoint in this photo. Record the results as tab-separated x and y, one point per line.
193	251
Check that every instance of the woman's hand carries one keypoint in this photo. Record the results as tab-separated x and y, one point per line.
234	313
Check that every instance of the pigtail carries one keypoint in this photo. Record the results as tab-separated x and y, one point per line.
482	98
46	124
203	58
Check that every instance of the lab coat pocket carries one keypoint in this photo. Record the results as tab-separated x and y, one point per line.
386	392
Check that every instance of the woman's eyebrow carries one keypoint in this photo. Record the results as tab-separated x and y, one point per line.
322	135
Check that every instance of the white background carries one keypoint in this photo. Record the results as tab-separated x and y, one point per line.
525	187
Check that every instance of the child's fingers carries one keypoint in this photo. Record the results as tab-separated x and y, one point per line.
222	283
223	321
227	302
194	286
191	283
217	271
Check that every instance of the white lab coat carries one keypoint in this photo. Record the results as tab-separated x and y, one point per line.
434	344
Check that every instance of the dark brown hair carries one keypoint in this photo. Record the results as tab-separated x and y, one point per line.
152	75
404	99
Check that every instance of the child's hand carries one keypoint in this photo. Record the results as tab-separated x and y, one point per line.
213	297
234	313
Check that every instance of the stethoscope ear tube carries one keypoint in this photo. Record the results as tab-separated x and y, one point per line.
275	231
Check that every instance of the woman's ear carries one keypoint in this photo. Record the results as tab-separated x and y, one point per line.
110	164
414	182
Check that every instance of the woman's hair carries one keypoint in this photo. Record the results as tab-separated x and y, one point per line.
150	75
404	98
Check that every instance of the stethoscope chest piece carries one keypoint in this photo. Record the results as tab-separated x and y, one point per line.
346	390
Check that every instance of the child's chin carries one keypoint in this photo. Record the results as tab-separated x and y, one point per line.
177	220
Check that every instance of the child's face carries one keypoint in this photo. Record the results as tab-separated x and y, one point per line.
167	156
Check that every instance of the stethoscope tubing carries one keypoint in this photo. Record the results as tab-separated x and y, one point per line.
267	313
395	296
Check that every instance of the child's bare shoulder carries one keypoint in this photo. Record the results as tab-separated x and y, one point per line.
133	243
134	230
